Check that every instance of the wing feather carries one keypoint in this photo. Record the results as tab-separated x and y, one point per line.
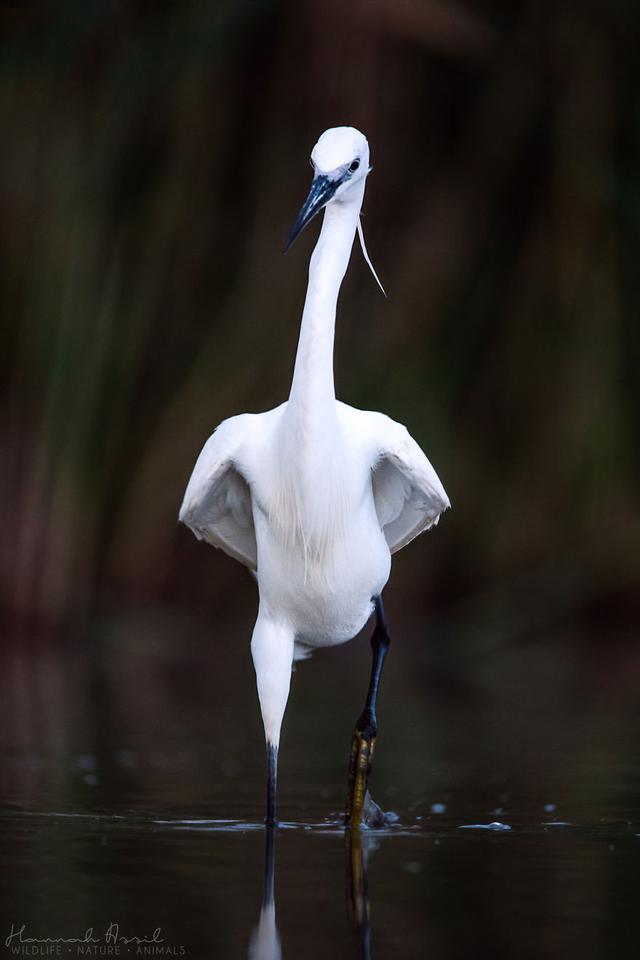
408	494
217	501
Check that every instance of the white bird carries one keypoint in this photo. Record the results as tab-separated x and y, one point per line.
314	496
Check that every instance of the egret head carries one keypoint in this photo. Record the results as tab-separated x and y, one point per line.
340	161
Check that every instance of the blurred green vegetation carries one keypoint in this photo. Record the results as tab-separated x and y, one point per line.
153	159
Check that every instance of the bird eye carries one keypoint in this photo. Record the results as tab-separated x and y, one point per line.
354	166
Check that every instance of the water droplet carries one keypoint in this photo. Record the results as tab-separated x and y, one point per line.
86	761
125	758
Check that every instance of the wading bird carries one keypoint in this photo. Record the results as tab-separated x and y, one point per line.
314	496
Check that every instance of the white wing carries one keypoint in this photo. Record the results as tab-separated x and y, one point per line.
408	495
217	501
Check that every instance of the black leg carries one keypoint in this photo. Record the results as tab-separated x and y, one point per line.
364	735
272	782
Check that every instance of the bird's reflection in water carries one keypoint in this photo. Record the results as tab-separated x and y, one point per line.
357	847
265	939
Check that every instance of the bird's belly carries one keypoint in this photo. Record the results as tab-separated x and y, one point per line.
326	601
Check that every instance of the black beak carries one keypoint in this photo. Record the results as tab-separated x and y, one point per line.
322	189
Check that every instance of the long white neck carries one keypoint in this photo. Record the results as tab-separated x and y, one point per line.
312	390
313	491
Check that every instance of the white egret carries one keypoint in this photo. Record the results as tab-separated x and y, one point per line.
314	496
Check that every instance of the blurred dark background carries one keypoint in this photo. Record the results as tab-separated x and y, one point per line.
154	156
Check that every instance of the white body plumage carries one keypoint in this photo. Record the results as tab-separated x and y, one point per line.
314	496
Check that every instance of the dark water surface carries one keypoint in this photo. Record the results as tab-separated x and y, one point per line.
132	775
437	888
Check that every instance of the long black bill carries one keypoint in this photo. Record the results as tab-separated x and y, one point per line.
322	189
